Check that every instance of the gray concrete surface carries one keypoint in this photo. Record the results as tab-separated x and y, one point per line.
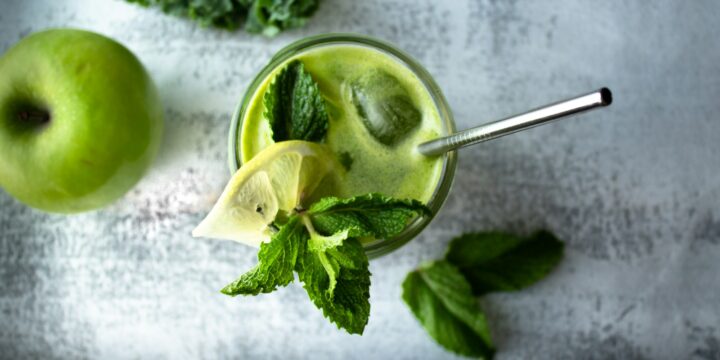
633	189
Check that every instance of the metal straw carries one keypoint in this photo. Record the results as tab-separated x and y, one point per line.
539	116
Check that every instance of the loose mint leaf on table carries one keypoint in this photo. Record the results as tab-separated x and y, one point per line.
268	17
294	106
493	261
321	244
442	300
441	294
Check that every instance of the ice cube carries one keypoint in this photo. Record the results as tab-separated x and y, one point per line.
384	106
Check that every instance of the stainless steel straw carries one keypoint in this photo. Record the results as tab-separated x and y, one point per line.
539	116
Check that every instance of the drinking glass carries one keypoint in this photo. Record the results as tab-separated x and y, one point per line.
377	247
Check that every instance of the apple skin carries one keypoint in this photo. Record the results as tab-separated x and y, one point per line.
80	120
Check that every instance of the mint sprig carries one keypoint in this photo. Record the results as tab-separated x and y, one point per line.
441	294
294	105
321	245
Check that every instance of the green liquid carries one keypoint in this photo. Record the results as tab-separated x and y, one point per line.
398	170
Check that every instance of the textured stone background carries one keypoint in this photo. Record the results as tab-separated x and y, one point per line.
633	189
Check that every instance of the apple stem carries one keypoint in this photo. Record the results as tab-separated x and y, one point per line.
35	116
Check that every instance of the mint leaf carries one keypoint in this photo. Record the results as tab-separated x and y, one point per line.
294	106
494	261
337	281
440	294
334	270
373	215
277	260
442	300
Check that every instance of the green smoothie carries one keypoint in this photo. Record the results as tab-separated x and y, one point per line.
363	88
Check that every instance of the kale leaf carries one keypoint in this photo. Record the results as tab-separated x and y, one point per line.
268	17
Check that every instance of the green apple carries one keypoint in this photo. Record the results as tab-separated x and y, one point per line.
80	120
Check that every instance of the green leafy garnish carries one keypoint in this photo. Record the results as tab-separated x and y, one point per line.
294	106
268	17
494	261
441	294
441	299
321	244
277	262
335	274
367	215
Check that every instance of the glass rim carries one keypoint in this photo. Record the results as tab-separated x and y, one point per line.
383	246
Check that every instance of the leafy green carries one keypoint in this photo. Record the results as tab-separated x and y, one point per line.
294	106
321	245
440	294
441	299
335	272
493	261
337	281
277	260
367	215
268	17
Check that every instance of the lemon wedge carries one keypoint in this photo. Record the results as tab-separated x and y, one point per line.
273	183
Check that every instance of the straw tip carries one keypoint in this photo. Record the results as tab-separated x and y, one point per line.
606	96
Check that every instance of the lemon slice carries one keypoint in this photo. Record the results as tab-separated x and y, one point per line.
272	183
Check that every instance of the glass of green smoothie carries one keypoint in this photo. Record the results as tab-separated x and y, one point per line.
376	141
